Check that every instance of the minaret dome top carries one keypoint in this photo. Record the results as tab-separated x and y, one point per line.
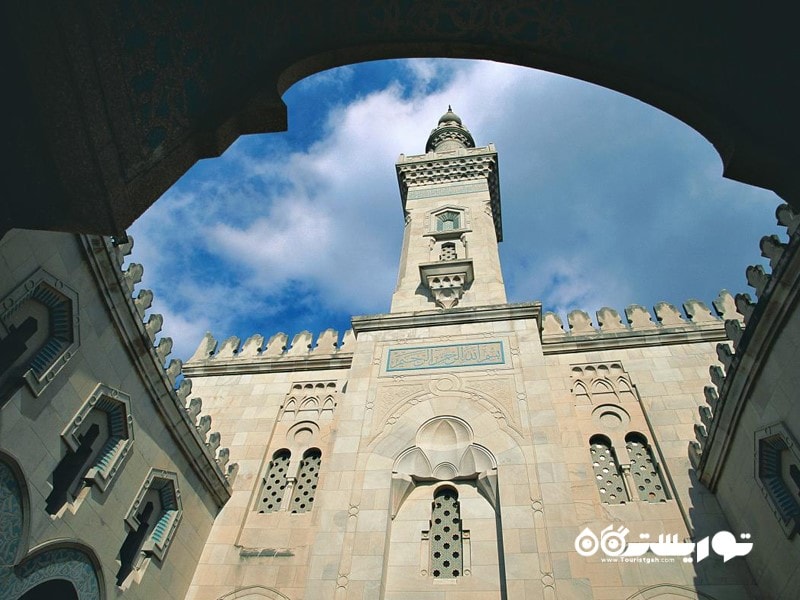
449	116
449	135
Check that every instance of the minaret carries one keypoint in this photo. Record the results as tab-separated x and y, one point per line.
451	200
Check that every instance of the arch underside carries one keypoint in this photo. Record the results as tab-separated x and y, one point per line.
63	562
96	148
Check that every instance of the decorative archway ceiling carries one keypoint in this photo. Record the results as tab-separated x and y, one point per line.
109	103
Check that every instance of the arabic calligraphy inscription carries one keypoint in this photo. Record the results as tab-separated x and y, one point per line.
441	357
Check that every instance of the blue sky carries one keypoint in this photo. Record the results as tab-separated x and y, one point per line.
606	202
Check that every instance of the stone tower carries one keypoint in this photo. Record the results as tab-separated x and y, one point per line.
457	446
451	200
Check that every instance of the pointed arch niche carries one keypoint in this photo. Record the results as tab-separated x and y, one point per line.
444	460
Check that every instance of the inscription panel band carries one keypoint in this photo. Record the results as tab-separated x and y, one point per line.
452	190
442	357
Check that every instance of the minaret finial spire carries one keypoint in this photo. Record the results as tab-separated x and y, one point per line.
449	134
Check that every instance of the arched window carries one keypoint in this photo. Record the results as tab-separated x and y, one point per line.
645	470
306	486
274	482
98	439
448	220
779	476
606	471
447	546
152	521
38	333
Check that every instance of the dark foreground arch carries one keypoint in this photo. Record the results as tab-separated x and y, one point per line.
65	566
51	589
110	103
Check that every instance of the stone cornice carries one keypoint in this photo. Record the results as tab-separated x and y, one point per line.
632	338
285	364
461	165
452	316
133	335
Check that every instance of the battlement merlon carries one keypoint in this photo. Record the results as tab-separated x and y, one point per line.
273	355
423	175
199	445
670	326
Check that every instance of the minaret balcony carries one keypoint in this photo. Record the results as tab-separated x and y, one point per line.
447	280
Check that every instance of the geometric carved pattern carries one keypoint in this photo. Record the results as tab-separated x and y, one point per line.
311	401
599	383
447	282
275	482
306	485
645	471
389	396
500	391
448	251
606	471
11	517
496	394
68	564
444	451
445	535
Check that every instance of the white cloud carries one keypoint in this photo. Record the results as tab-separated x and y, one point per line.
605	201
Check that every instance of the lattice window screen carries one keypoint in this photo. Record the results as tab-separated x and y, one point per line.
274	482
306	482
448	221
606	471
643	468
448	252
446	535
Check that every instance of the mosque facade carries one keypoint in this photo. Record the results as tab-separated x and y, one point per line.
458	447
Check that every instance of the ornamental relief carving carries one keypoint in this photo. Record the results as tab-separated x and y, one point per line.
501	390
600	383
495	395
391	395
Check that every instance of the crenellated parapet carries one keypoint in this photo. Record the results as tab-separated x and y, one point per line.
639	327
169	387
750	336
276	354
